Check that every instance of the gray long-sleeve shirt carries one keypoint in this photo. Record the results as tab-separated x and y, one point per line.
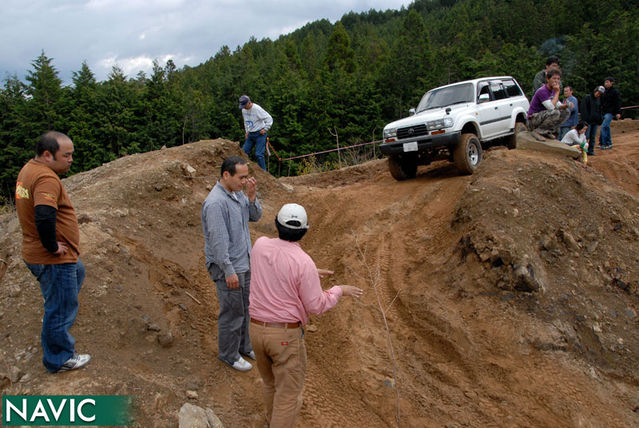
227	240
256	119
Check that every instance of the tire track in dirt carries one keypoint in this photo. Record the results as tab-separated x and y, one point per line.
441	361
387	260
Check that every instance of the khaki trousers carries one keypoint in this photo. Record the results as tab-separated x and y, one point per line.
281	360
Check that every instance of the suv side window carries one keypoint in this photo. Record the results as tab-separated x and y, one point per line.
512	89
498	90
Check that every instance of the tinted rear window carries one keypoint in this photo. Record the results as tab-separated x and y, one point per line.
512	88
499	91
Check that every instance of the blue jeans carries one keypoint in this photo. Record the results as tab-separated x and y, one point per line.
233	321
259	141
591	137
604	137
60	286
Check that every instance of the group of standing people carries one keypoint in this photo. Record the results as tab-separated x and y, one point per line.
550	118
271	287
265	292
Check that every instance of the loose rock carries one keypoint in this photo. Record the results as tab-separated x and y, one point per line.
166	339
191	416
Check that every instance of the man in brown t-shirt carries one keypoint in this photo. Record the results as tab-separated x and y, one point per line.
50	247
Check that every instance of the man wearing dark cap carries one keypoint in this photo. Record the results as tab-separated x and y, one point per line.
610	107
257	122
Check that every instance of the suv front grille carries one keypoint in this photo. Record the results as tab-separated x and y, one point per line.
412	131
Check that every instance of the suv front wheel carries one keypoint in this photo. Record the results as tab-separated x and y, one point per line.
468	153
402	167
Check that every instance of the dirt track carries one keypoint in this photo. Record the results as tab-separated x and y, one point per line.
476	342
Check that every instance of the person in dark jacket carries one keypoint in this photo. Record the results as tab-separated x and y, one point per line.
610	107
591	115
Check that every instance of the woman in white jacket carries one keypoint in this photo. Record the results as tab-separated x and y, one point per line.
577	136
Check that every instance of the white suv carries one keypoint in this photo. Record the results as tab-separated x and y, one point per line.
453	122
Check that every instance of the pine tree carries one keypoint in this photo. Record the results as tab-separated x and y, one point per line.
15	147
46	106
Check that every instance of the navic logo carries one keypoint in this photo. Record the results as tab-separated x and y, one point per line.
52	410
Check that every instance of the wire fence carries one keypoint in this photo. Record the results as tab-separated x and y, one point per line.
311	157
629	107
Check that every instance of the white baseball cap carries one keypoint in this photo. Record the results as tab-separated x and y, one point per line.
293	216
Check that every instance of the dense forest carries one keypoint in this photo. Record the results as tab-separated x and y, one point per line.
346	79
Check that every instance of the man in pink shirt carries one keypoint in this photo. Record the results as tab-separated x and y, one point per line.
285	288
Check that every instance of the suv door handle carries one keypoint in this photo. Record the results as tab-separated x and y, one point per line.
496	108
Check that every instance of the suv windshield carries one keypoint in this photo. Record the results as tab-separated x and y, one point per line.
442	97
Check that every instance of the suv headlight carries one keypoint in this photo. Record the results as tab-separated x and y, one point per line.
390	133
446	122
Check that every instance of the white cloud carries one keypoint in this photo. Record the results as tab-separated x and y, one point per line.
127	5
132	33
130	66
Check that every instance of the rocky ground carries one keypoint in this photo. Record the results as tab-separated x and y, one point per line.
505	298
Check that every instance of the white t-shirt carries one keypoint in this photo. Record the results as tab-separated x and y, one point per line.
573	138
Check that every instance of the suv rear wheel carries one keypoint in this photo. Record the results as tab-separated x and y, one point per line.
402	167
468	153
512	140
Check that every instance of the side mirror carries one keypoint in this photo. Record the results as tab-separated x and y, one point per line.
483	98
411	112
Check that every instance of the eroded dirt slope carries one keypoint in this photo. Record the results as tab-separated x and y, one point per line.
508	298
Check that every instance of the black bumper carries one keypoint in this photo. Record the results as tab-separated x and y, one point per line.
423	143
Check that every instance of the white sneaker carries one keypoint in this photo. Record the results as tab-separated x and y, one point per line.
242	365
251	355
77	361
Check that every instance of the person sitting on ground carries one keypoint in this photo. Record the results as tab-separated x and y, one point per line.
576	137
546	113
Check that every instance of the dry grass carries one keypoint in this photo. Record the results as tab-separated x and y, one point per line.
7	205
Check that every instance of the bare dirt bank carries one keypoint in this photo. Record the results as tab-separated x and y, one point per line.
510	296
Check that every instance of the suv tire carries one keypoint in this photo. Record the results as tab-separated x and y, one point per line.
512	140
402	167
468	153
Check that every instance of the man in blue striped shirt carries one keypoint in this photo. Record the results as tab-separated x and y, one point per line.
225	215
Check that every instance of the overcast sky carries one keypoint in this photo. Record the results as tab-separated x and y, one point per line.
132	33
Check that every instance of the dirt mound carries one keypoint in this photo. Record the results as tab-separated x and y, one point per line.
505	298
